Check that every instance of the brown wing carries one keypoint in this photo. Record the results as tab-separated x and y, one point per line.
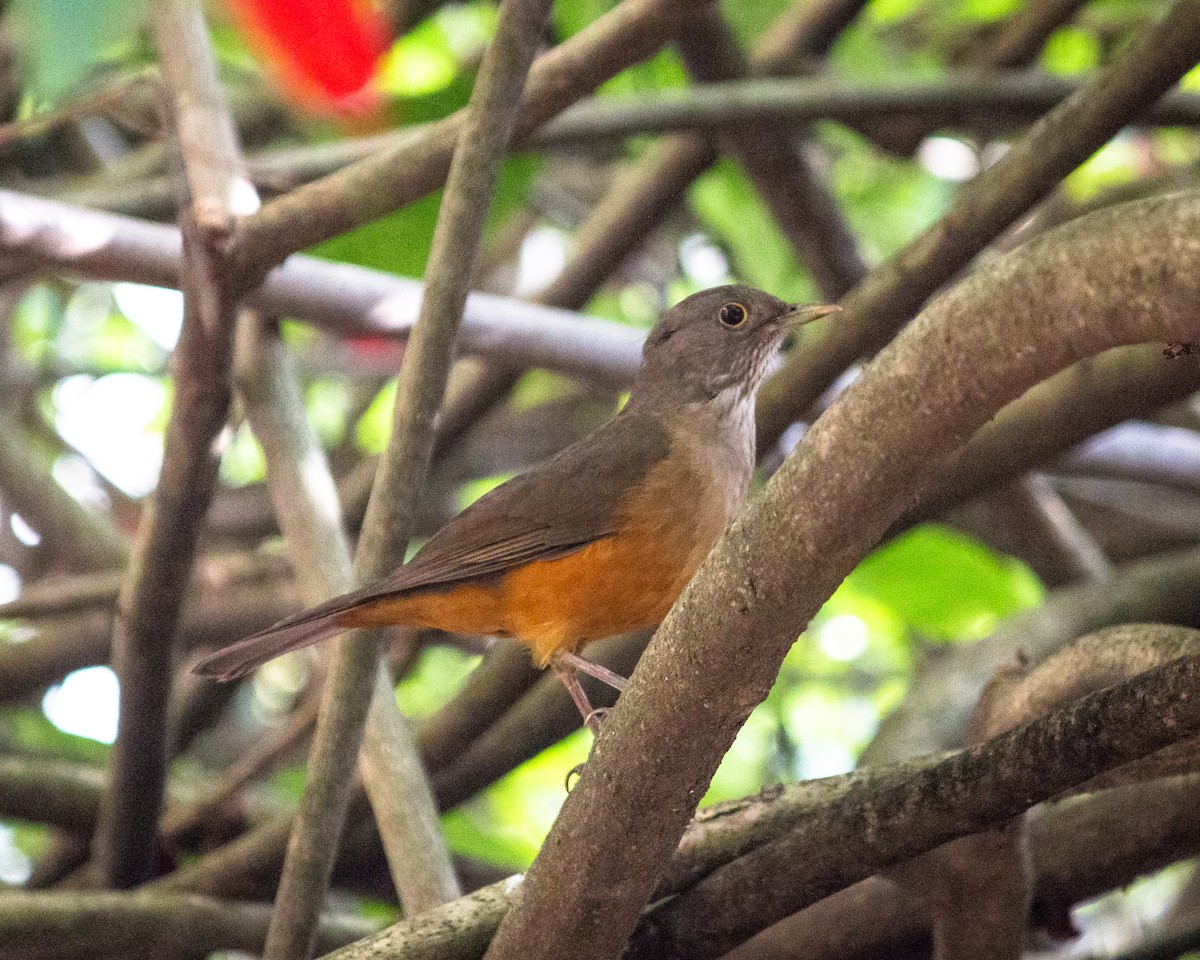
560	506
566	503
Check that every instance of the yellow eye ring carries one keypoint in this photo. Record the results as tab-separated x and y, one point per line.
732	315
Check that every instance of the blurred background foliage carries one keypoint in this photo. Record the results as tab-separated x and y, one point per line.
98	356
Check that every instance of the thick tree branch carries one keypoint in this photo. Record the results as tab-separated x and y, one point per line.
983	208
806	830
1096	843
459	930
976	788
48	791
1018	320
1056	415
979	888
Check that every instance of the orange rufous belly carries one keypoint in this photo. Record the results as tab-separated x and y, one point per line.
616	584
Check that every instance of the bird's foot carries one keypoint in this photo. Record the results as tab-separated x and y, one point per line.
594	719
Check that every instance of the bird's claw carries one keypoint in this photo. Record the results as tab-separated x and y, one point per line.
593	720
575	771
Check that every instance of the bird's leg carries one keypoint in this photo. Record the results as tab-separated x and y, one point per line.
566	673
603	674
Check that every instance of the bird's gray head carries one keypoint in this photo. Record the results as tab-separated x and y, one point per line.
716	339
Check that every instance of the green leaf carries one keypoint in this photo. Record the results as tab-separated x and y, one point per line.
63	40
507	823
400	243
438	674
749	20
243	461
1070	50
946	585
429	57
887	201
371	431
328	405
29	730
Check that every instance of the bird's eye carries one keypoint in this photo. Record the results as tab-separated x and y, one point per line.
732	315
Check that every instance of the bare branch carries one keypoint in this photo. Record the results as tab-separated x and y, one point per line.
459	930
539	719
1030	519
887	823
997	103
343	299
1020	36
207	139
94	924
151	598
1080	850
880	815
29	487
807	214
978	888
1056	415
50	791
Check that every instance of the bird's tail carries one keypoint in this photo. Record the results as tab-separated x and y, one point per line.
301	630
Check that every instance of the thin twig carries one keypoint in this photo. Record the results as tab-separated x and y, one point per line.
151	598
997	103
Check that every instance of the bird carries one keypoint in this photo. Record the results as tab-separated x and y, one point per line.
601	538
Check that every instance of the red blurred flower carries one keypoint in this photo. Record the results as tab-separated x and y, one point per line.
323	51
